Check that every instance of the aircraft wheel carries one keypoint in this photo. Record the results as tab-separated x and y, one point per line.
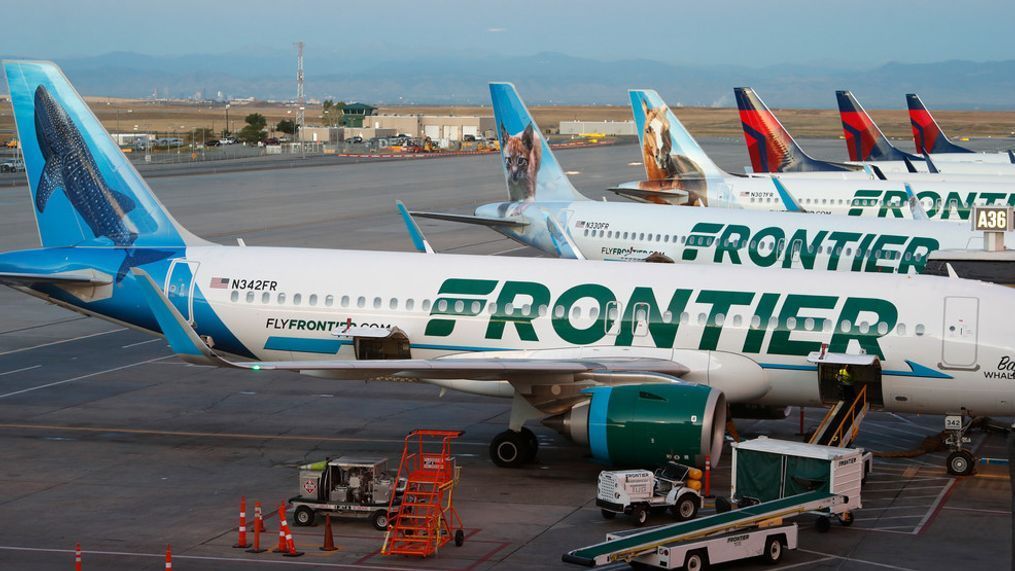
533	443
961	463
510	449
823	524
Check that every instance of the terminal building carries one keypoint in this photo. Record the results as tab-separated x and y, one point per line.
609	128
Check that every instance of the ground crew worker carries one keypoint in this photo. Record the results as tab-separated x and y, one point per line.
845	379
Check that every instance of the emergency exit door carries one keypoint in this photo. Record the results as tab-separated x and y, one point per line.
179	287
958	340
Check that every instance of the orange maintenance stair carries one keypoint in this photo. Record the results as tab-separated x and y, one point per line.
427	519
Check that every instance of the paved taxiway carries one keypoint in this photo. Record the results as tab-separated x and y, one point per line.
108	440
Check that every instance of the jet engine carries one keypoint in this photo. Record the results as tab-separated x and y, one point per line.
645	425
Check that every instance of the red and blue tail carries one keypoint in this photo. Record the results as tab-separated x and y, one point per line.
770	145
864	139
927	135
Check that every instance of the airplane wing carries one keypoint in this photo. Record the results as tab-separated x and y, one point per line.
565	246
73	277
467	219
186	343
419	241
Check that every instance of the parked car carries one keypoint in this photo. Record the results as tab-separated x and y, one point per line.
271	141
354	140
12	166
469	138
213	143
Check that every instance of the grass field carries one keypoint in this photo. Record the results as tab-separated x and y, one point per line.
124	114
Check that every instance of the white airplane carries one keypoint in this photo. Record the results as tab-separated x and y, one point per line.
637	361
773	150
559	220
679	171
866	142
931	139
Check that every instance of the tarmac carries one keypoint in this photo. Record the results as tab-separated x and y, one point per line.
109	441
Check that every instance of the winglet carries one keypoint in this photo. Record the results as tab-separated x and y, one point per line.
909	164
419	241
931	167
181	336
914	205
791	203
1011	156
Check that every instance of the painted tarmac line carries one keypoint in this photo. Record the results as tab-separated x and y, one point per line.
903	490
883	518
51	343
509	250
21	370
937	505
801	564
242	561
141	343
82	377
978	510
852	560
234	435
876	482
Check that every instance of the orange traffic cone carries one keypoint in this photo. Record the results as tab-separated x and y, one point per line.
282	547
169	557
289	542
77	557
258	528
329	539
241	540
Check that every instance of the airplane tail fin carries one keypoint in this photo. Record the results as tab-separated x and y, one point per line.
770	145
927	134
531	170
668	149
84	190
864	139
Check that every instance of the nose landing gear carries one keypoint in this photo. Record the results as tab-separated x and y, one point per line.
960	462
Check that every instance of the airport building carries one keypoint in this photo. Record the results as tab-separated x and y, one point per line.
612	128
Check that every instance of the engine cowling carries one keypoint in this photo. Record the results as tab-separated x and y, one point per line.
645	425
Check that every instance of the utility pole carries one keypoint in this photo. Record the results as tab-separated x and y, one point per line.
300	100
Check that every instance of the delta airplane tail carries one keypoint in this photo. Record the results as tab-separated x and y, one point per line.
864	139
532	171
770	145
674	162
927	135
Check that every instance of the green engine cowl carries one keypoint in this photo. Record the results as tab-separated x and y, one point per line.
645	425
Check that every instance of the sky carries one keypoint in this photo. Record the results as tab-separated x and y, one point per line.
856	34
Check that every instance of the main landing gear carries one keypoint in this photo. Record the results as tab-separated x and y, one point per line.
960	462
511	449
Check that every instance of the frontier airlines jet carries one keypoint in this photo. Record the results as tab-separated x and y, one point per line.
637	361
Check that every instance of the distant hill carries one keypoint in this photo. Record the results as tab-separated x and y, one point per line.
547	78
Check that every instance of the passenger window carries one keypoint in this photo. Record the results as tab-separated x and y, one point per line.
297	298
377	302
313	299
576	312
459	306
738	320
666	238
235	296
265	297
701	319
409	304
625	235
426	305
442	306
558	312
755	322
845	326
491	308
920	329
361	302
477	306
685	318
720	319
329	300
667	316
809	324
883	328
791	323
345	301
543	310
393	303
250	296
900	329
281	298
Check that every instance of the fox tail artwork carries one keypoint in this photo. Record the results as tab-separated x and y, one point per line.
636	362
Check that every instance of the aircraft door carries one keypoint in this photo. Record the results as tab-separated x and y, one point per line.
639	324
614	316
179	287
958	340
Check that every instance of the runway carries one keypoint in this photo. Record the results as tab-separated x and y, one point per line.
110	441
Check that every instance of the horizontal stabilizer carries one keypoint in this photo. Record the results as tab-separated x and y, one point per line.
74	277
672	196
470	219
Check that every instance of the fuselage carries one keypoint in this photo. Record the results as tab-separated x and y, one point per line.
944	344
630	231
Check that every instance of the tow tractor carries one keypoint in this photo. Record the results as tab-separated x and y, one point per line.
638	493
772	480
350	486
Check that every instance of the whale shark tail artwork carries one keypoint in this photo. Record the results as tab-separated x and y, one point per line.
85	191
770	145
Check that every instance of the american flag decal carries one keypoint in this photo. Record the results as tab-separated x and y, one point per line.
219	283
580	224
